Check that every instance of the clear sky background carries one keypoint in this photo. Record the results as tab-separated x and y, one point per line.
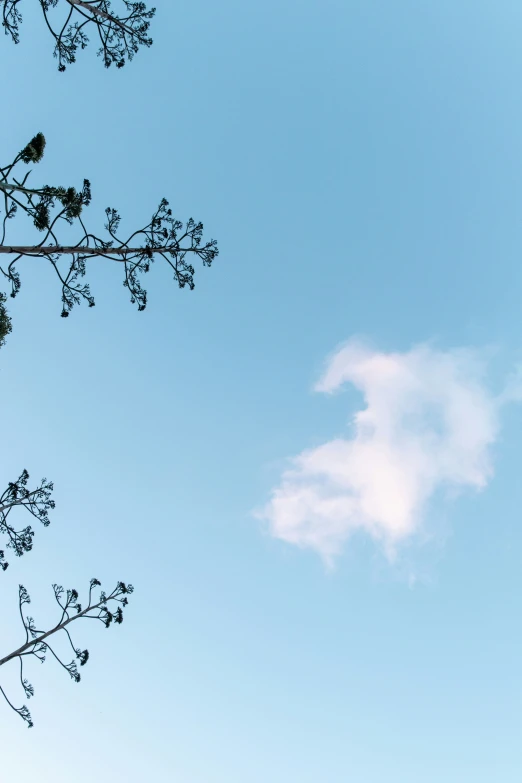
360	164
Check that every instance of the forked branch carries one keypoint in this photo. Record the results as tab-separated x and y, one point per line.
120	32
162	237
36	502
37	642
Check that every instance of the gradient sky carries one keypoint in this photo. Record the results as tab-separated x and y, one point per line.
360	164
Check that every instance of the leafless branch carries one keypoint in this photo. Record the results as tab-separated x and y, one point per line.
36	502
120	33
48	207
37	642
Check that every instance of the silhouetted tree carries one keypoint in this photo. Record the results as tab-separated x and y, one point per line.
120	33
37	502
50	207
37	642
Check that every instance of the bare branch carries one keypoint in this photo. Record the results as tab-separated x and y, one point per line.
36	502
162	237
37	643
120	34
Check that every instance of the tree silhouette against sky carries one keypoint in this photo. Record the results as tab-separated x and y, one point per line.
54	208
37	645
120	32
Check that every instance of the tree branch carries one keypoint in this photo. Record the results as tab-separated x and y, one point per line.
38	644
37	502
98	11
162	237
120	34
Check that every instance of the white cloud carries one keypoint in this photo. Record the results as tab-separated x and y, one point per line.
428	422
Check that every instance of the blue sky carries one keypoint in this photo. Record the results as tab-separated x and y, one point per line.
360	165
